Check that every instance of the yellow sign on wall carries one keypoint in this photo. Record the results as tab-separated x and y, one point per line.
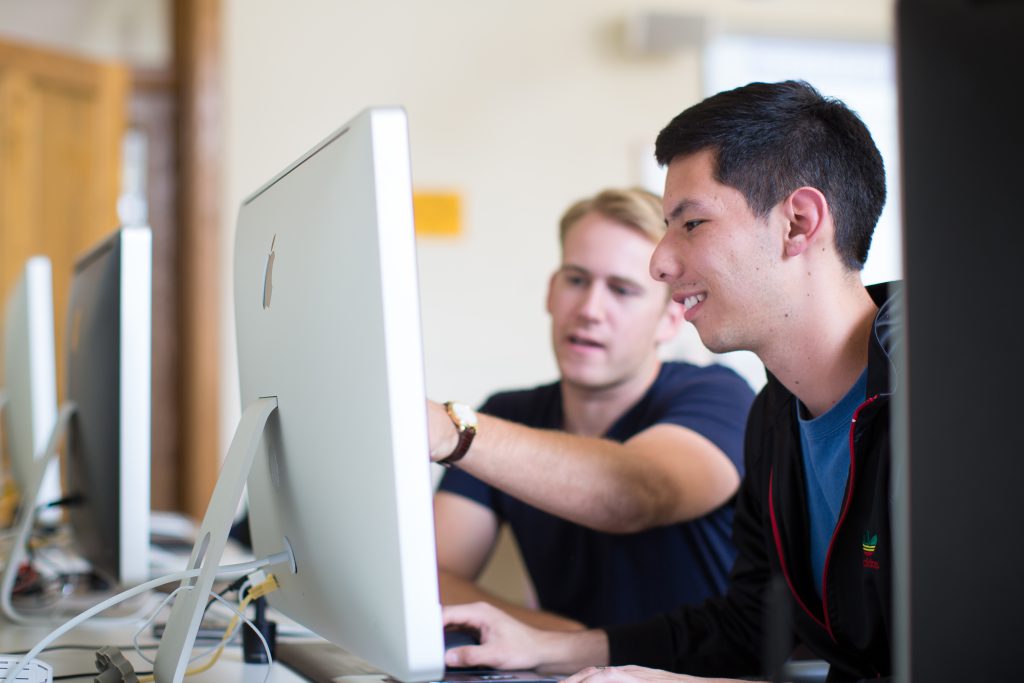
437	213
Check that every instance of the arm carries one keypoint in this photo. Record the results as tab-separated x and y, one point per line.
664	474
637	674
723	635
509	644
720	636
466	533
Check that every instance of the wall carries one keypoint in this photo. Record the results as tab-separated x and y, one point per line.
132	31
520	107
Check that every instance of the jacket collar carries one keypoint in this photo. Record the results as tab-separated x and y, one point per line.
885	342
886	337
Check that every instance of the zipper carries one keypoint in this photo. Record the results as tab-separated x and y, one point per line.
850	482
782	557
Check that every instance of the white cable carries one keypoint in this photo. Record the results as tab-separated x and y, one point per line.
149	620
231	569
220	643
224	641
266	645
153	616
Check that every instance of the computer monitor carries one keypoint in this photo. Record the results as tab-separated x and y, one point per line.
108	370
959	465
331	373
30	382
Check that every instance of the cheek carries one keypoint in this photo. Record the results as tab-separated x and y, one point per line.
641	324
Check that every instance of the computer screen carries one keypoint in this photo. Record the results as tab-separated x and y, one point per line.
959	587
30	381
328	326
107	468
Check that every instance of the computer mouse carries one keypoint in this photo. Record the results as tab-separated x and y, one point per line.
459	637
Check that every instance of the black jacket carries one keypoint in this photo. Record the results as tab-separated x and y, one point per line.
851	626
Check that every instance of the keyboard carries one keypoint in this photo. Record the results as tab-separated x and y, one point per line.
324	662
35	672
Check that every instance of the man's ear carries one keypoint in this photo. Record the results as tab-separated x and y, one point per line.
551	291
808	219
671	319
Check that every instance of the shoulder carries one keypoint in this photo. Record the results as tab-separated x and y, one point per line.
527	406
772	413
710	400
681	379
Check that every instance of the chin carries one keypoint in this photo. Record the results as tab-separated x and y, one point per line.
584	380
716	343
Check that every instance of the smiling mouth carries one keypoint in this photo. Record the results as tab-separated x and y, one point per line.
692	300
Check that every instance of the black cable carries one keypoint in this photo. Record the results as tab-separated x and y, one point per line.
93	674
54	648
71	500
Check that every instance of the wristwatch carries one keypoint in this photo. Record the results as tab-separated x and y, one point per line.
464	419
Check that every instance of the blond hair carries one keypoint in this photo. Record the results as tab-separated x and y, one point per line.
633	207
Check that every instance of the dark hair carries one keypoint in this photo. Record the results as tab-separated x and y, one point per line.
771	138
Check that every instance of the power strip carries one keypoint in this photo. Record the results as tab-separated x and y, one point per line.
35	672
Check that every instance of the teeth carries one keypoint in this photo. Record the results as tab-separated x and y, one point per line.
691	301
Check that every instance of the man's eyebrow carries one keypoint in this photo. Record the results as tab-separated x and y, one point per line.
622	279
680	208
627	281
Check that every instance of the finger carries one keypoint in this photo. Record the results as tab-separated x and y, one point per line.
456	614
466	656
473	614
584	674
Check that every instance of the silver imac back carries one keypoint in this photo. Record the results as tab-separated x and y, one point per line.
30	378
108	377
328	322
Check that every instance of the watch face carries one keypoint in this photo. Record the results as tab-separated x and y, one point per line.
465	415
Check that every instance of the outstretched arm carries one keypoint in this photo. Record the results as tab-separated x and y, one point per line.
664	474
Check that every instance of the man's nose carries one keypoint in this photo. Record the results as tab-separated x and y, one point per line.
664	267
592	305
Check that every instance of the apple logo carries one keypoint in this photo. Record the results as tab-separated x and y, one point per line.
268	276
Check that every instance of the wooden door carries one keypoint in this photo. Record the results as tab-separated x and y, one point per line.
61	124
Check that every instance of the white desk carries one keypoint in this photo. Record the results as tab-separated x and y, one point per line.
228	669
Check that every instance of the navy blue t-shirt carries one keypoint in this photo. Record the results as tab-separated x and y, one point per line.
603	579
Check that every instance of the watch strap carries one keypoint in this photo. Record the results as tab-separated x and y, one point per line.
466	434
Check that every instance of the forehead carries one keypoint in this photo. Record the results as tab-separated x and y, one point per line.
690	185
602	245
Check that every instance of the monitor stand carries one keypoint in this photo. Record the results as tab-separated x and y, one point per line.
26	518
3	440
175	650
3	432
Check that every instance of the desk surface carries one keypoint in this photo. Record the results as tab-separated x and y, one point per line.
229	668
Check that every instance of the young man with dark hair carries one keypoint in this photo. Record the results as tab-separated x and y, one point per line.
771	198
617	480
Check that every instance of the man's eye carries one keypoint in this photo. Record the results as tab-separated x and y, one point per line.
575	280
690	226
621	290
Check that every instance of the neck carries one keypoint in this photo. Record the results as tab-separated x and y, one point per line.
591	411
830	351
